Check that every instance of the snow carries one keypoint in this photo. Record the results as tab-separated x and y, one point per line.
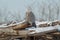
21	22
16	23
55	20
3	26
11	25
44	29
37	30
41	29
38	23
57	27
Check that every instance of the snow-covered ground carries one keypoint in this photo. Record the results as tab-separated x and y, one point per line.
57	27
42	29
37	30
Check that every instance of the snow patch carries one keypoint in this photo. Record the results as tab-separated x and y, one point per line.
42	29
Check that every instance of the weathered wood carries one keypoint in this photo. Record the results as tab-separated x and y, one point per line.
8	31
44	25
20	26
5	32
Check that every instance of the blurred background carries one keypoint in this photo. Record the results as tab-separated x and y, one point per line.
15	10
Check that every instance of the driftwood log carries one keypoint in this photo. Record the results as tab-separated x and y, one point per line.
44	25
20	26
9	33
13	30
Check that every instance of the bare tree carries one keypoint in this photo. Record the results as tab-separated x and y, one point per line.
43	12
18	16
49	15
57	12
